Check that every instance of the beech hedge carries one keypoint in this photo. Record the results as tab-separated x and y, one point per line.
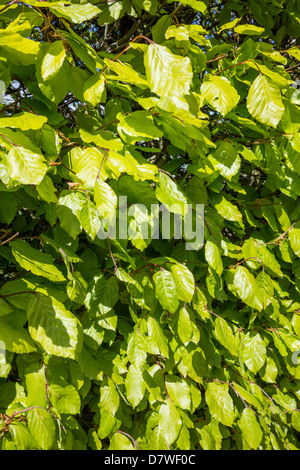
120	123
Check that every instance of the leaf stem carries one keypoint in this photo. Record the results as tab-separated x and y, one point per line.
10	239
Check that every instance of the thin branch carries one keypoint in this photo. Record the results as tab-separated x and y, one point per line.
293	67
11	143
8	5
243	261
111	255
46	387
16	413
10	239
102	161
262	390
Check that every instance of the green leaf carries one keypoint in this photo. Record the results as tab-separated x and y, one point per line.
296	420
94	88
75	13
42	427
248	396
17	341
94	441
196	4
264	101
229	25
226	159
139	227
35	385
178	391
102	295
8	207
137	192
226	209
53	327
166	290
220	94
294	239
56	86
184	281
157	339
247	289
89	219
102	139
167	74
225	335
25	166
68	210
86	164
77	288
169	421
64	398
120	442
139	125
211	437
276	78
125	73
108	424
160	27
109	397
200	303
24	121
250	428
35	261
20	50
269	370
169	194
253	351
88	365
267	50
5	309
128	164
157	440
220	403
249	29
105	199
135	386
137	349
47	190
21	436
213	256
53	59
184	326
183	32
39	263
142	292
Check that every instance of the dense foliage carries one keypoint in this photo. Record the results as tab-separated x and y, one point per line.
133	342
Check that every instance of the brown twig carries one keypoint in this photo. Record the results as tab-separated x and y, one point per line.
10	239
46	387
